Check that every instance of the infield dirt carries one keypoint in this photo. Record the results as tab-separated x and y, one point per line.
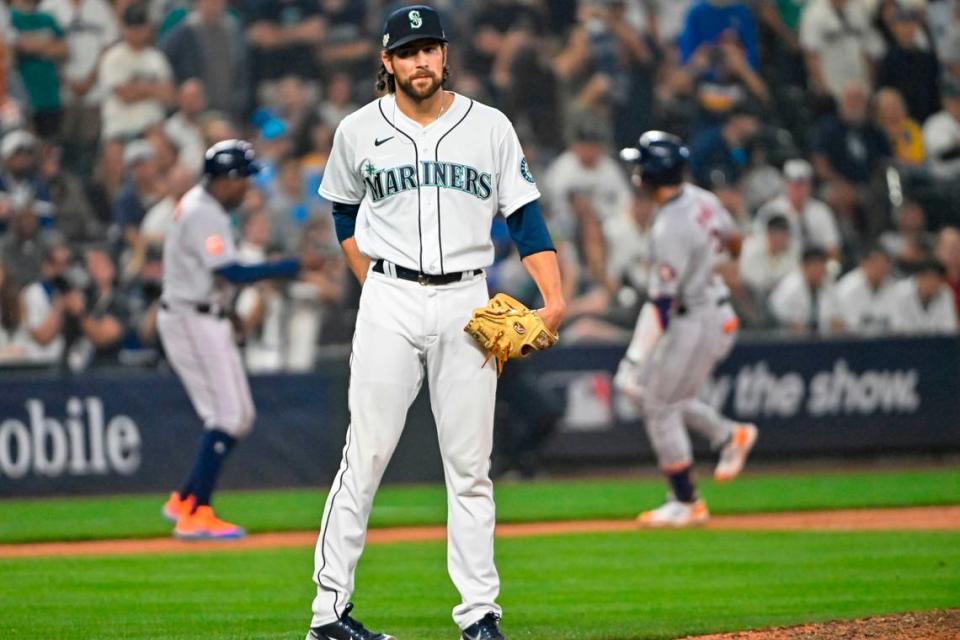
945	518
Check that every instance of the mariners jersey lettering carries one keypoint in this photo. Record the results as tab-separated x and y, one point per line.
689	235
200	241
428	195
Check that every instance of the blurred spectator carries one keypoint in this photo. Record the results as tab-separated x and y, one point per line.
23	245
910	243
923	304
338	100
260	307
725	78
865	294
20	180
14	337
39	45
941	132
137	79
585	187
848	150
156	222
183	127
629	248
903	132
724	149
102	320
805	300
782	18
948	253
812	223
90	27
288	206
47	303
909	68
768	256
75	217
604	71
142	295
165	151
711	22
209	47
216	127
284	35
839	44
141	189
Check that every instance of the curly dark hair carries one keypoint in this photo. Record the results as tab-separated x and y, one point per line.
387	84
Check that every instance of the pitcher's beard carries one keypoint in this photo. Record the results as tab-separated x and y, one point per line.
419	94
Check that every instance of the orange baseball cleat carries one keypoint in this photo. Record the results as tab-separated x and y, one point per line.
203	524
177	506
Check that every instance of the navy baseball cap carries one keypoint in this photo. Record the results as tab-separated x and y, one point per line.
416	22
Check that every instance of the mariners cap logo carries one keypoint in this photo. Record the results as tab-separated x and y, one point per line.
415	20
386	39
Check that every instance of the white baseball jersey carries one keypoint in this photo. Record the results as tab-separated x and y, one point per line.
200	346
428	195
200	241
688	240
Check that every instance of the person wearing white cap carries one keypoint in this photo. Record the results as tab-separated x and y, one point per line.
812	223
139	192
19	178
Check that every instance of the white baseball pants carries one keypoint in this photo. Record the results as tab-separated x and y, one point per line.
201	350
404	330
682	361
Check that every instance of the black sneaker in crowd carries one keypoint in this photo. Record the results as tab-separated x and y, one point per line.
487	628
346	628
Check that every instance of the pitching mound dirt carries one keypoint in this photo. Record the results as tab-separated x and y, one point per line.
931	625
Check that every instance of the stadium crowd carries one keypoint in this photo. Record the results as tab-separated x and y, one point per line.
829	128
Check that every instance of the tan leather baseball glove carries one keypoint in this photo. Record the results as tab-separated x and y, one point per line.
506	329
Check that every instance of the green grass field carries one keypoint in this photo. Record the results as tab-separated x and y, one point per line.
292	510
615	586
612	586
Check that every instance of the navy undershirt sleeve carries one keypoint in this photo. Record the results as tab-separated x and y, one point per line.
345	219
663	305
529	231
246	273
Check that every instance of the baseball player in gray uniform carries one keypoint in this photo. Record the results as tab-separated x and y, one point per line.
684	331
199	278
416	178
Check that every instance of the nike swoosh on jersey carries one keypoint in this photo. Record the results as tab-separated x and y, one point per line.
377	143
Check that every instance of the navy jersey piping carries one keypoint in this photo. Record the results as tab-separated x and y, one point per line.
416	163
436	157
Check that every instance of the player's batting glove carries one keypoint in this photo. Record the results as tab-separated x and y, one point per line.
627	381
506	329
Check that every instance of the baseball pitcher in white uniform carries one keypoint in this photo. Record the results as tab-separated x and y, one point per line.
199	278
684	331
416	178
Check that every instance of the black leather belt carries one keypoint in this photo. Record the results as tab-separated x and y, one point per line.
425	278
200	307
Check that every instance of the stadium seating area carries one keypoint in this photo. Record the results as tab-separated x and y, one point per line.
829	128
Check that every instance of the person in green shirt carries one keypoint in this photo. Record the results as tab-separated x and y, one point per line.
39	44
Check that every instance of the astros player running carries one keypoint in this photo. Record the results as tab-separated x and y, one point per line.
686	329
416	178
200	271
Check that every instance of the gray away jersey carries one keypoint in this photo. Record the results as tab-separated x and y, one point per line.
688	238
428	195
199	242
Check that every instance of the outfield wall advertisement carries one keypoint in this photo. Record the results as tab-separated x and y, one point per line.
134	431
